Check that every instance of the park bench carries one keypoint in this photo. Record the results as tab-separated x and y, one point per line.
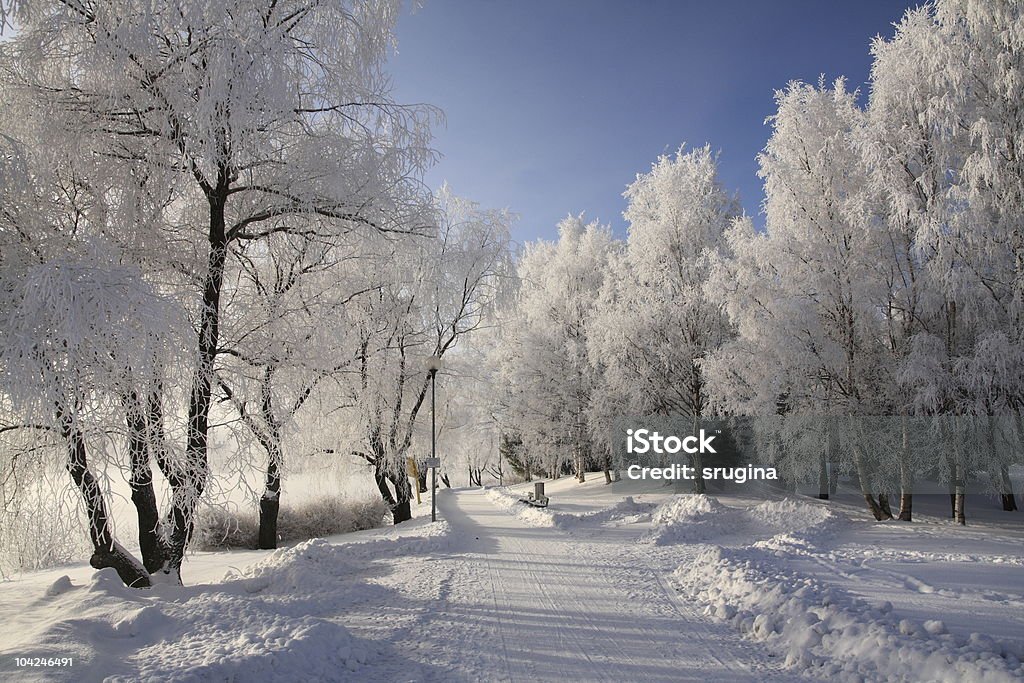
536	498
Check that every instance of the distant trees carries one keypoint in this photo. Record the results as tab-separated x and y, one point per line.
434	293
543	355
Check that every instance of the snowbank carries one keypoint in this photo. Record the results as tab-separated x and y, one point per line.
823	628
689	518
279	619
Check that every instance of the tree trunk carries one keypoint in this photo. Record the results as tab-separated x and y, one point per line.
823	477
269	508
1006	490
421	479
862	477
883	505
958	496
401	511
106	551
140	480
380	478
270	501
906	507
189	487
906	477
607	476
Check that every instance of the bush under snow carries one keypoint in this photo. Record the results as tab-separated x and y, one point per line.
219	529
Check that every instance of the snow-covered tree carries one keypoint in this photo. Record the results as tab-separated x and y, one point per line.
655	325
544	351
80	329
805	296
945	140
437	292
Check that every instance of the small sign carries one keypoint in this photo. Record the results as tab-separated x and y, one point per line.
432	462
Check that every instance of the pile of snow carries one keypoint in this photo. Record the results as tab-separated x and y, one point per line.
692	518
795	523
279	619
547	517
688	518
827	630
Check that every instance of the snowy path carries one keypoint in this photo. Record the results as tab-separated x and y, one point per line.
520	603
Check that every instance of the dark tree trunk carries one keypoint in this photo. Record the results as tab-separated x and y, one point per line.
106	551
421	479
607	476
446	481
883	505
876	511
1006	490
862	476
151	544
270	501
401	511
192	482
269	508
380	477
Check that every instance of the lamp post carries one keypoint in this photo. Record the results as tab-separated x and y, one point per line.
433	365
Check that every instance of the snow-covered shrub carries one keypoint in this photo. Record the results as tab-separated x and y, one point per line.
220	528
40	528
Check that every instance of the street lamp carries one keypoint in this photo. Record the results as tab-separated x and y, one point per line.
433	365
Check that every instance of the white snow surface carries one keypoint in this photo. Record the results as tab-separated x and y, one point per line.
599	586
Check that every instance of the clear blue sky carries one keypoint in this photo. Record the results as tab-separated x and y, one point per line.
554	106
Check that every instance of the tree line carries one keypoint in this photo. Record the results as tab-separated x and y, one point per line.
874	326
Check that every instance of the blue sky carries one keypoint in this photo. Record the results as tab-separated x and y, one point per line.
554	106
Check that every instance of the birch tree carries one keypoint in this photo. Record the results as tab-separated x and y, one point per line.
655	324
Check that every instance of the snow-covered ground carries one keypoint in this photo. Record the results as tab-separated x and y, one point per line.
599	586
